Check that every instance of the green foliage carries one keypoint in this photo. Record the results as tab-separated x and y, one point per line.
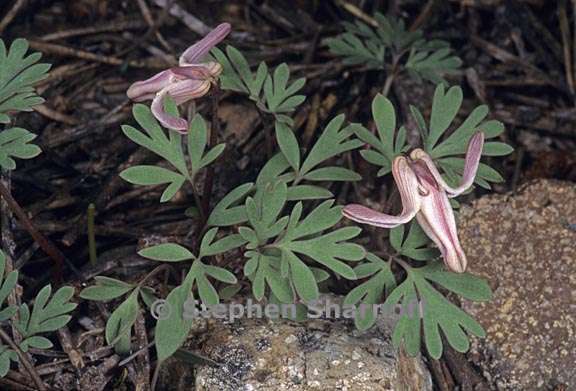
280	247
272	92
47	315
170	148
106	288
15	143
175	326
383	48
443	145
17	79
414	245
439	142
286	222
379	281
423	304
19	74
7	285
389	143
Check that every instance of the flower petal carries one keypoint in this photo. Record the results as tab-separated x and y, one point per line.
408	188
470	167
436	217
147	89
167	120
194	53
194	72
186	90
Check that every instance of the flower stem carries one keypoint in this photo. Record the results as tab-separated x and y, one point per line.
214	132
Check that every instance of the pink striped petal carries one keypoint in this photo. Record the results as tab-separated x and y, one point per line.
436	217
470	166
188	89
194	72
195	53
147	89
167	120
408	188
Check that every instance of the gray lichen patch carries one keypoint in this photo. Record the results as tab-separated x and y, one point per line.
311	355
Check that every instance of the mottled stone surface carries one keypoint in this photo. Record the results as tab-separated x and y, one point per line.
525	245
314	355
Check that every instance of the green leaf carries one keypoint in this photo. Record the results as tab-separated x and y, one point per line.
279	96
197	140
5	361
370	292
445	106
119	325
166	252
288	145
308	192
212	155
389	144
48	314
333	141
385	119
220	274
106	289
225	213
155	140
7	282
154	175
496	149
36	342
415	245
229	79
437	313
172	330
15	143
206	291
332	174
208	247
464	284
432	65
19	75
329	251
356	51
302	277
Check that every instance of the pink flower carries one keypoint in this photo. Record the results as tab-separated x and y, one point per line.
191	79
425	196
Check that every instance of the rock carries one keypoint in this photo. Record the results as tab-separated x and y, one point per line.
317	354
525	245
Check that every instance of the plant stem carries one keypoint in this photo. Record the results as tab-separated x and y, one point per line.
388	83
214	132
49	248
91	235
24	360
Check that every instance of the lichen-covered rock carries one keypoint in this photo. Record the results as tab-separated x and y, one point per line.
317	354
525	245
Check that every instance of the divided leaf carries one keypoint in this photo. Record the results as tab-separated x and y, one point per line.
388	144
420	301
442	146
367	295
48	314
15	143
17	79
